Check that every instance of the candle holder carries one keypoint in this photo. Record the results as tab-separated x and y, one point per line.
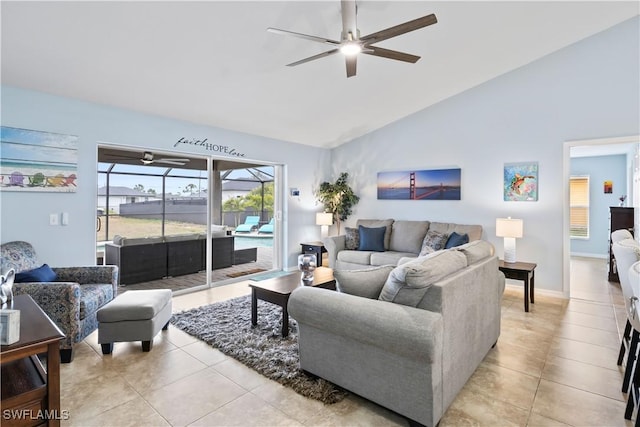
307	264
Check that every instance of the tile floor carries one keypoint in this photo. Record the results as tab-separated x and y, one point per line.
553	366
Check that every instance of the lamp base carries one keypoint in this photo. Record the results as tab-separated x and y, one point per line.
510	249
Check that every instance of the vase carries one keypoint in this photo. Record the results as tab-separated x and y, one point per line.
307	265
6	285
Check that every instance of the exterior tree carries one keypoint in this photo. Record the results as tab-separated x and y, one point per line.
255	200
189	189
139	187
235	205
338	198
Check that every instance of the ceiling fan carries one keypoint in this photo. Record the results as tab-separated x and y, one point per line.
148	159
351	44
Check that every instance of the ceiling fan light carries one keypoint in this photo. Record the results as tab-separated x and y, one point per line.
351	48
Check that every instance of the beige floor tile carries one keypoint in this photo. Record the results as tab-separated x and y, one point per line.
186	400
589	335
205	353
239	373
471	408
356	411
86	365
124	352
590	321
504	384
528	361
576	407
247	410
591	296
537	420
585	352
527	339
587	307
178	337
154	370
98	394
288	401
134	413
585	377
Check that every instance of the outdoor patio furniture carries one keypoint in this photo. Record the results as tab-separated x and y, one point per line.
250	224
267	228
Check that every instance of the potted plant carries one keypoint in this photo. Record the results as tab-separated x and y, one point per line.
338	198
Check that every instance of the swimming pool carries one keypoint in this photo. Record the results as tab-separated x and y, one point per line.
243	242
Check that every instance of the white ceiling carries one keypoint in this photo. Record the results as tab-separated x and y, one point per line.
214	63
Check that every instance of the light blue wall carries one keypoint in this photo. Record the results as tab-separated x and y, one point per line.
599	169
25	216
588	90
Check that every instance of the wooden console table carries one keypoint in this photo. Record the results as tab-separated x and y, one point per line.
30	391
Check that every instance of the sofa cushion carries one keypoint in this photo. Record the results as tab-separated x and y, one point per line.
408	283
389	257
474	231
373	223
456	239
433	241
351	238
476	251
355	257
407	236
371	239
44	273
365	283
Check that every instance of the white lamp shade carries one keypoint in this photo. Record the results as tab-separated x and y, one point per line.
324	218
508	227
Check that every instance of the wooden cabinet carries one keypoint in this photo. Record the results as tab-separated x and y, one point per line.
30	385
619	219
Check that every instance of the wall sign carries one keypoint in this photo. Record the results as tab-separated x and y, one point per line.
216	148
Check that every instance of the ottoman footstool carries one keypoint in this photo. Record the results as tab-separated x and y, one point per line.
134	316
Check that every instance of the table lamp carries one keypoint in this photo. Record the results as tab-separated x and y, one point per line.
510	229
324	220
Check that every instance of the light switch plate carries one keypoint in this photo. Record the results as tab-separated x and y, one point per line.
53	219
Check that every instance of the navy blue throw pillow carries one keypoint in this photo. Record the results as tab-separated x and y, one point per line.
371	239
40	274
456	239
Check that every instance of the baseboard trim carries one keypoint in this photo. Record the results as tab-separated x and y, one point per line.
538	291
589	255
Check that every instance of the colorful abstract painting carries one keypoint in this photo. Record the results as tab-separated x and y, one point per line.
38	161
521	182
435	184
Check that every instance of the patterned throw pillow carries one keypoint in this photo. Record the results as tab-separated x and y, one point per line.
352	238
433	241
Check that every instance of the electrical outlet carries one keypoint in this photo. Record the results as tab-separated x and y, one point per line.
53	219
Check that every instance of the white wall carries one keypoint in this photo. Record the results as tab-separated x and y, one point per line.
587	90
25	216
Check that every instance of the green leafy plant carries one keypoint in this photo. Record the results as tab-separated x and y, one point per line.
338	198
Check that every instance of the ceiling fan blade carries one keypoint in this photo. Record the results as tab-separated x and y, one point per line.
303	36
169	162
349	21
399	29
391	54
180	159
351	65
314	57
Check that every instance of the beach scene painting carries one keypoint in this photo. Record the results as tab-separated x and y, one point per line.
434	184
521	182
32	160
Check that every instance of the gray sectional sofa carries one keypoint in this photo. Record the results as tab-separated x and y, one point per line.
401	239
407	337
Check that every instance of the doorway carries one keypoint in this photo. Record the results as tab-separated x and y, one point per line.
626	183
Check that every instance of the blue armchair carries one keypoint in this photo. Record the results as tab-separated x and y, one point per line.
72	300
250	224
267	228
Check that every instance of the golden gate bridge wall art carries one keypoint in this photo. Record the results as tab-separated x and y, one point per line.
32	160
434	184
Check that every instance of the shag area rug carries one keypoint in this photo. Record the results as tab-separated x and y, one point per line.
227	326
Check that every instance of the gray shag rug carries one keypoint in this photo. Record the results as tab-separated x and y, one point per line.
227	326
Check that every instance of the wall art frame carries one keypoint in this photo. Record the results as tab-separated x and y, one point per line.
520	182
431	184
32	160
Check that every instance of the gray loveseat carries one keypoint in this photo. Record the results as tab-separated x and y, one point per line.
414	351
401	239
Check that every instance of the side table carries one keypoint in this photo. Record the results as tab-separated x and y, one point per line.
524	271
316	248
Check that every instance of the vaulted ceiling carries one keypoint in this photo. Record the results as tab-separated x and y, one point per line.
214	63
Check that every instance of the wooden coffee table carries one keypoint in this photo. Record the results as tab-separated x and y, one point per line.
278	290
